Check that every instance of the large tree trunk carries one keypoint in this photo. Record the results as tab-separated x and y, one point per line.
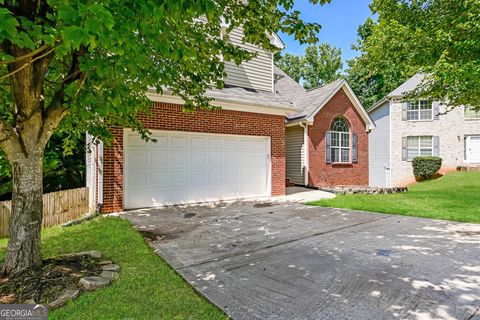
23	250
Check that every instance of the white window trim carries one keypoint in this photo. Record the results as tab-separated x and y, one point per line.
418	111
419	147
349	148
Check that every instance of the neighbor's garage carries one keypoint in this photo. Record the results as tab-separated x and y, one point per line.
183	167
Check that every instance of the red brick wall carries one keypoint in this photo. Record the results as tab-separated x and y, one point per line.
323	174
170	117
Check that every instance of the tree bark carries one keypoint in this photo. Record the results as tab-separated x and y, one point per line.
23	251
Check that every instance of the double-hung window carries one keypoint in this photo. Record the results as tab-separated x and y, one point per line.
419	146
471	113
340	145
419	110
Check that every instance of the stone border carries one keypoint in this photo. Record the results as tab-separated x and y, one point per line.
362	190
110	272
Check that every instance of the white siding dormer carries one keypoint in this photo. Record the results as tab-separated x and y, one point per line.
255	74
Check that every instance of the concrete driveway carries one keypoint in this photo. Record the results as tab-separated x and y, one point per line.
266	260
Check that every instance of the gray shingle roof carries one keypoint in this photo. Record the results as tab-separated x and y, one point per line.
407	86
238	94
306	101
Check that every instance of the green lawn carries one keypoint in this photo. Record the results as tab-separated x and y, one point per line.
455	196
147	288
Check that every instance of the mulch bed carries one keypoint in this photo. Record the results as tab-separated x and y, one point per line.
48	283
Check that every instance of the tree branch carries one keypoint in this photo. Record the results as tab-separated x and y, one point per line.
9	142
26	56
27	63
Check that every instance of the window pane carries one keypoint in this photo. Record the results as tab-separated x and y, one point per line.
412	153
412	115
426	114
425	142
335	139
340	125
426	152
335	155
412	142
346	140
470	113
412	105
345	155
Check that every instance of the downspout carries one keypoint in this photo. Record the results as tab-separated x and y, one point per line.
305	150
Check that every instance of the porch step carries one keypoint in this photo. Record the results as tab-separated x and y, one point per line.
289	183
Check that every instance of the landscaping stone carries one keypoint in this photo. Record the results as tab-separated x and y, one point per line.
110	275
104	262
362	189
92	253
69	294
93	282
111	267
29	301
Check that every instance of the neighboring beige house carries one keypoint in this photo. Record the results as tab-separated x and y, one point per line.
406	129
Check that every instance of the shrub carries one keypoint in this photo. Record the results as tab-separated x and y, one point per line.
426	167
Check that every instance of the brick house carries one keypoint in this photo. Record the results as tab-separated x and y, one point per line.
327	137
242	150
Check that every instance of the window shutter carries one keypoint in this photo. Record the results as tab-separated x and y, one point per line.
328	147
354	148
404	111
404	149
436	111
436	146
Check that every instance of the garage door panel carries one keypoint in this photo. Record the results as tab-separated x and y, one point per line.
159	178
197	143
158	159
136	159
193	167
178	142
137	179
215	143
198	158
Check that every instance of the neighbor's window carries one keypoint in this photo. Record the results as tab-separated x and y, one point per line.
340	140
419	110
418	146
471	113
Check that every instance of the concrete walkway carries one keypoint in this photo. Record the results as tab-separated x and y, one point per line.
268	260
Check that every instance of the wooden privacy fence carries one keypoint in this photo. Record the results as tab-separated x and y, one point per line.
58	207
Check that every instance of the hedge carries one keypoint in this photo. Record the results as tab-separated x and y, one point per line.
426	167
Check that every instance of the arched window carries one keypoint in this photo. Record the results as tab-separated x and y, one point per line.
340	125
340	144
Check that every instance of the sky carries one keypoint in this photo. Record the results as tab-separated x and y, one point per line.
339	20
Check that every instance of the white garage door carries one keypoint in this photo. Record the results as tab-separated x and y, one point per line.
193	167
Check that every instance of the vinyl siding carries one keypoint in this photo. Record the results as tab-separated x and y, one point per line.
255	74
295	154
379	147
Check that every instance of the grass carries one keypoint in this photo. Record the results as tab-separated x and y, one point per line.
147	288
455	197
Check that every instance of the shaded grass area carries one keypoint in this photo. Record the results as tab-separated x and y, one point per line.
147	288
455	197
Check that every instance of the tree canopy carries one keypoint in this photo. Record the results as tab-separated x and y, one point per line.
319	65
81	65
439	38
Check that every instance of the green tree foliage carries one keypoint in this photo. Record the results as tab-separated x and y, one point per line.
291	65
82	65
319	65
322	64
439	38
61	170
